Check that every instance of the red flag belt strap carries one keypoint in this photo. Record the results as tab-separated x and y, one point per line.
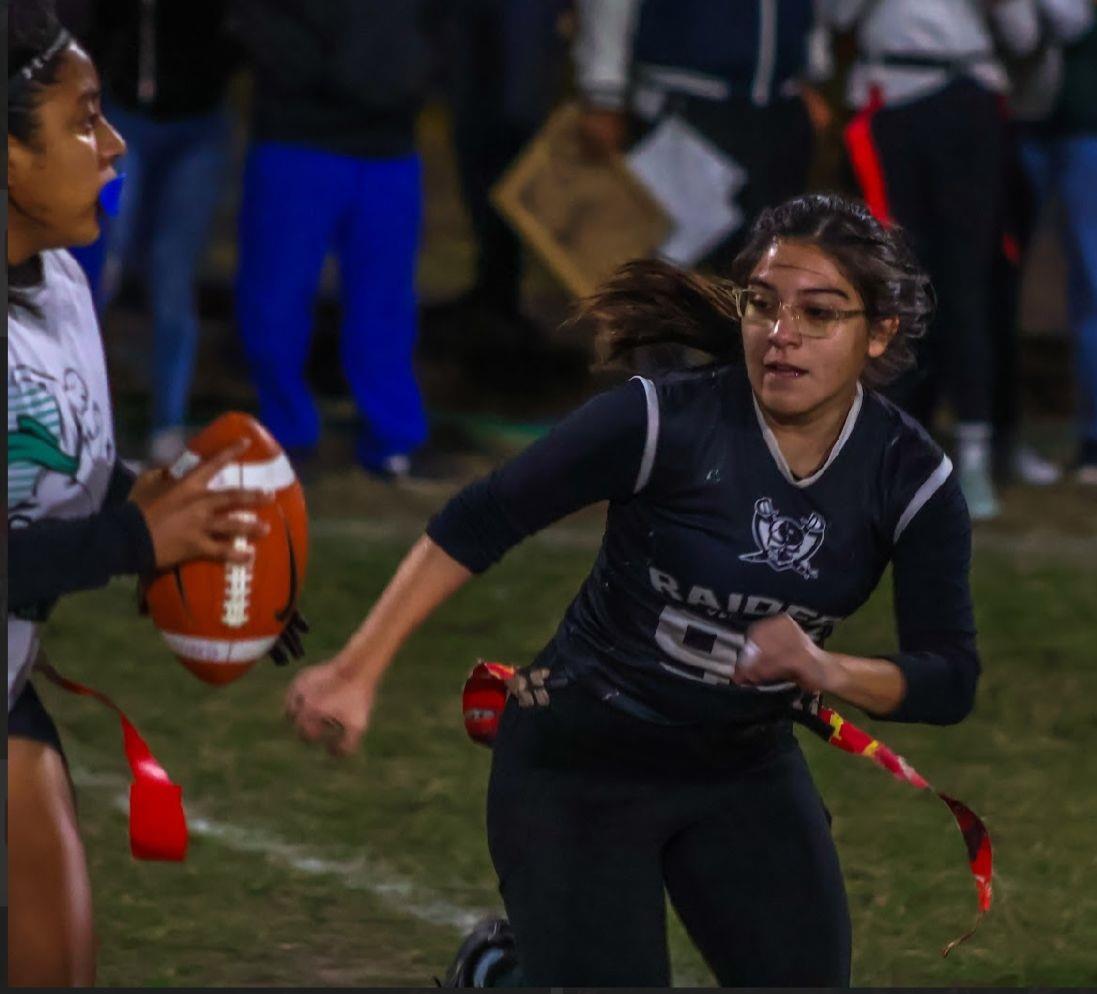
864	157
844	735
158	825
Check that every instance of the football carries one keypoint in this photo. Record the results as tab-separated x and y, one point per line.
219	618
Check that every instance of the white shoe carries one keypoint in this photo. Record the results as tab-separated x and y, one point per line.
397	467
1031	467
978	490
166	445
973	468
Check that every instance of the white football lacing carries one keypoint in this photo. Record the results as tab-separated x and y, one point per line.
238	582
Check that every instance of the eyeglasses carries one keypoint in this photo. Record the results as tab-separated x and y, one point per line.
761	309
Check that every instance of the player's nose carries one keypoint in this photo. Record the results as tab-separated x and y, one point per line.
785	332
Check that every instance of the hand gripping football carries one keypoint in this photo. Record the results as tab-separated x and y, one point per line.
219	618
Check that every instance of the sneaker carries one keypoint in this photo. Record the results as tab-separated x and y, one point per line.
1086	473
1032	468
427	465
397	466
487	952
982	503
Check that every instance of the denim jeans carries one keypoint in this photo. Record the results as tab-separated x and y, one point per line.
175	176
1067	168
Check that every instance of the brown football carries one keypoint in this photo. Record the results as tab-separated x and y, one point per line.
219	618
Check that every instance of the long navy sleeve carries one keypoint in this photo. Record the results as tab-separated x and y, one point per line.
594	454
933	613
50	558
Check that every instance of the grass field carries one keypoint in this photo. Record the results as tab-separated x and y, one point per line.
304	870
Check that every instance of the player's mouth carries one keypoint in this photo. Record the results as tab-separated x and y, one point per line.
784	370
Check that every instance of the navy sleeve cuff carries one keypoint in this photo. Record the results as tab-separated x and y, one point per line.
138	555
51	558
120	485
940	685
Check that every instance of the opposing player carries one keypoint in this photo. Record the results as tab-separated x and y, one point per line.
76	516
753	504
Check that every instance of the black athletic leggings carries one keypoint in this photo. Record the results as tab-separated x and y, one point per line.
592	813
943	168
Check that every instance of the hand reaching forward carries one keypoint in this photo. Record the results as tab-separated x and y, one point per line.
329	704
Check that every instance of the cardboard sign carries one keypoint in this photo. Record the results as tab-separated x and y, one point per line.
583	214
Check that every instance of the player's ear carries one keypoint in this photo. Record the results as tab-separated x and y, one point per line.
19	161
880	334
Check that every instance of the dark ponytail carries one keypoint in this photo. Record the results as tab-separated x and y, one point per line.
668	312
36	46
651	313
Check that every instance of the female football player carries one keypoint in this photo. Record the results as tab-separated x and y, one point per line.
76	516
754	502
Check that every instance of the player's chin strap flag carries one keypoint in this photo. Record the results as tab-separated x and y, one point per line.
485	696
158	826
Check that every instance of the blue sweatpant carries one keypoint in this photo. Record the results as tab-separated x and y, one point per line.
298	204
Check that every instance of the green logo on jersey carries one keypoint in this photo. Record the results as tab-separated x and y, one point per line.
35	444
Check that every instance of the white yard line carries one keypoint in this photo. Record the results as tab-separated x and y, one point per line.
363	872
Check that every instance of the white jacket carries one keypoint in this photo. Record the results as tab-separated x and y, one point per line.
965	32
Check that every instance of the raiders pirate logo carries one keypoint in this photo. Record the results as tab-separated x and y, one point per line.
785	543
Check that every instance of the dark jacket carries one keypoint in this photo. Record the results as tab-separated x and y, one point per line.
756	50
347	76
731	42
165	58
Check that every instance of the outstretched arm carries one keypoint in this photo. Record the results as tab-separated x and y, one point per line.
592	455
333	701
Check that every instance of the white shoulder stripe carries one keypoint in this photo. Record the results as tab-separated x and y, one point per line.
923	494
651	440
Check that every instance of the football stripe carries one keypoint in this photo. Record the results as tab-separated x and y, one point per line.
272	474
218	650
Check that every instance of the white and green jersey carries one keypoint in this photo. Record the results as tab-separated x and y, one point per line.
60	431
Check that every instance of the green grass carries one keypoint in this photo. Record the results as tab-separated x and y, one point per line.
410	806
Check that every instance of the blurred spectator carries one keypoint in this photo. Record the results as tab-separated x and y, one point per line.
927	147
165	69
1013	458
1035	81
333	166
737	71
504	67
1056	103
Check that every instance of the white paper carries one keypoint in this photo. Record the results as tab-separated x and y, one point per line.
695	183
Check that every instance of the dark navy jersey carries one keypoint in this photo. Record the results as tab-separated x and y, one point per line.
708	531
